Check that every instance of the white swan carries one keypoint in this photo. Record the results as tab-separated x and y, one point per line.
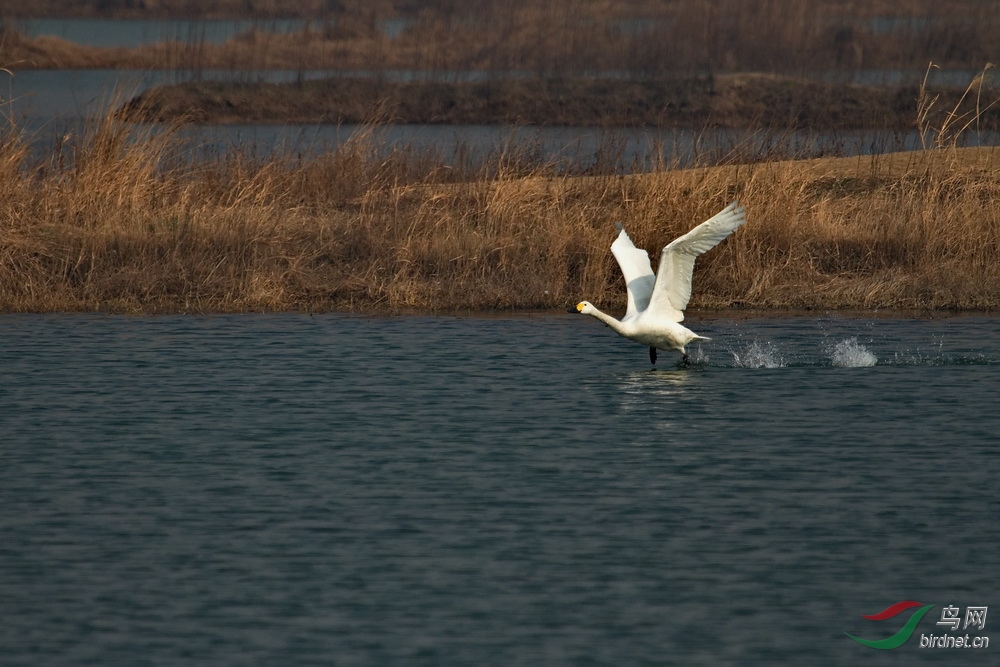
656	303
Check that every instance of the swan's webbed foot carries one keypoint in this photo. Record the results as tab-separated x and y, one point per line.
685	361
652	354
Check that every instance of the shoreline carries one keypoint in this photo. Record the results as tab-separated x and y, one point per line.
690	315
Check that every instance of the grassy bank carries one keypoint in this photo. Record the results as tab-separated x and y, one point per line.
731	101
126	221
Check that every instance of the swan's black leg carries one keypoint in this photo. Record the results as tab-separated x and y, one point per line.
685	360
652	354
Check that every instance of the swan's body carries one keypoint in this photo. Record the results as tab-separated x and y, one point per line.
656	303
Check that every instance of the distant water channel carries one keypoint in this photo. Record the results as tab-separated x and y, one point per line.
140	32
335	489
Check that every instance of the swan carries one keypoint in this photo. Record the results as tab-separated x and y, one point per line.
656	303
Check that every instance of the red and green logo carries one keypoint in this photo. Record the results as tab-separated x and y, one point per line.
898	639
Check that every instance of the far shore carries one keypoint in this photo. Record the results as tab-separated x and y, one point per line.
746	100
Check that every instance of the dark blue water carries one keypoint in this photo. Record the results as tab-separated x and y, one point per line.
287	489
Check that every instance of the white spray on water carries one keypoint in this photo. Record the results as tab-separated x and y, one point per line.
850	353
758	355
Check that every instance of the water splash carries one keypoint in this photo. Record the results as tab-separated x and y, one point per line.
698	357
758	355
849	353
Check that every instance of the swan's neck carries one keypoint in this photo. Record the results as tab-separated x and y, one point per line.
610	321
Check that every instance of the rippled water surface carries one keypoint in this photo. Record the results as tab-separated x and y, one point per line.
288	489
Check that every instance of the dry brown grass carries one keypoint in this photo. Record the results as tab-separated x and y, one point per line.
124	220
909	230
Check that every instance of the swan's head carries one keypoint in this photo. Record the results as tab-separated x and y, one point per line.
585	307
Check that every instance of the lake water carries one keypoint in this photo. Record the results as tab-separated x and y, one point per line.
140	32
337	489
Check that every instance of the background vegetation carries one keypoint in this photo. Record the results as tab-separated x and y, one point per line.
559	38
129	222
130	217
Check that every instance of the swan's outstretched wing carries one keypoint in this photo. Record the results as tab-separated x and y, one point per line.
672	290
639	278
